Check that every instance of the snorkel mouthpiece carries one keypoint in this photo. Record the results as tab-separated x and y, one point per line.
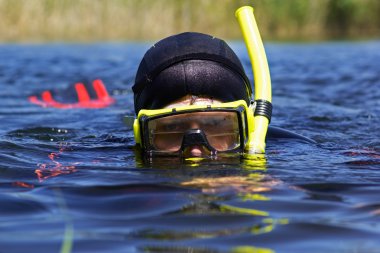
263	87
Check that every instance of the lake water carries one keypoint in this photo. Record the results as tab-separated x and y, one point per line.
71	180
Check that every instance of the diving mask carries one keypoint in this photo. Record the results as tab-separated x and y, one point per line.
221	127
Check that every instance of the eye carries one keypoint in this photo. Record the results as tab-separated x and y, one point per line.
171	127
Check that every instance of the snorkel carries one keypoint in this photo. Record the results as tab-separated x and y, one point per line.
263	87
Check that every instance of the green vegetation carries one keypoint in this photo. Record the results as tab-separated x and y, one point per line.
115	20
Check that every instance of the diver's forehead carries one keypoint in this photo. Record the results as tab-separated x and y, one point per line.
193	100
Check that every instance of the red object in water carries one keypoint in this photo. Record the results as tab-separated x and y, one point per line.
55	168
23	184
102	99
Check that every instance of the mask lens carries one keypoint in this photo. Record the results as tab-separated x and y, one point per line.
224	141
168	142
220	128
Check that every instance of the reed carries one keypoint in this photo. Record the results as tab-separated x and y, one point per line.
121	20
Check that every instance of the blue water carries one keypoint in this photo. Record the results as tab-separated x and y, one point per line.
71	180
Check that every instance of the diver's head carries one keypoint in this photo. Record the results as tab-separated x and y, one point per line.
179	84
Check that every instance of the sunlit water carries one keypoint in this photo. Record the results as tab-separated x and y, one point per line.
72	182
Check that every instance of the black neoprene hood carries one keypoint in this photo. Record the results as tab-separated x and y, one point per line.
189	64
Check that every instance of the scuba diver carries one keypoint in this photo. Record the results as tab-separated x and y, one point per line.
192	98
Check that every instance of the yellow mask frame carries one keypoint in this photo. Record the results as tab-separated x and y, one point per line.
248	111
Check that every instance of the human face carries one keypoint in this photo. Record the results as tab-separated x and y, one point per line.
193	127
220	129
195	150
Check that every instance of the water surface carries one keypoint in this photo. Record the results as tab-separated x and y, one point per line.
72	182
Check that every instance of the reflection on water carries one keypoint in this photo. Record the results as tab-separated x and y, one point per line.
54	168
72	180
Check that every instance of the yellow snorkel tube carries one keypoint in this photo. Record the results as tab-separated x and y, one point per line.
263	87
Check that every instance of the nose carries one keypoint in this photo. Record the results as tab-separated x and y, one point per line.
195	151
194	144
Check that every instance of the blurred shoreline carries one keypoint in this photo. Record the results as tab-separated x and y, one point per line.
141	20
